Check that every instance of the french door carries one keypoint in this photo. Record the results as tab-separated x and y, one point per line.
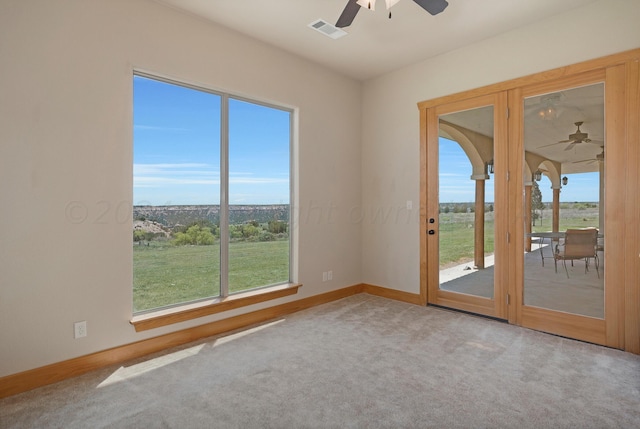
466	231
505	175
563	184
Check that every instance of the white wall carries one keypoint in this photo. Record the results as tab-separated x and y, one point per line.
390	150
66	141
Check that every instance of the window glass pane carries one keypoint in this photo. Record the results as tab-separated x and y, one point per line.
259	193
176	194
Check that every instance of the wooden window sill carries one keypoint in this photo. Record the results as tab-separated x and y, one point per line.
186	312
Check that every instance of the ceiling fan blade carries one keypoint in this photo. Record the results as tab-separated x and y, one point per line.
570	145
552	144
565	141
348	14
434	7
598	142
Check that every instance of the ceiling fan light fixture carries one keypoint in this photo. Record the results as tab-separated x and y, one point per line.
548	110
548	113
350	11
371	4
390	3
367	4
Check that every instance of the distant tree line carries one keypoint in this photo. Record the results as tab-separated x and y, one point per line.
462	208
186	214
203	232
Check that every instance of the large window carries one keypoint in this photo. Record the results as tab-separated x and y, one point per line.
211	194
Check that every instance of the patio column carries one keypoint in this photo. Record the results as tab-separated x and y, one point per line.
478	248
527	215
556	210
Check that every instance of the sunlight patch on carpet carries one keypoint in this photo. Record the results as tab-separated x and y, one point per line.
244	333
125	373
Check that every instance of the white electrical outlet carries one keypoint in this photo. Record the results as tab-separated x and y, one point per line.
324	276
330	275
80	329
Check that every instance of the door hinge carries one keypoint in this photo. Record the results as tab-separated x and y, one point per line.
507	113
508	299
508	237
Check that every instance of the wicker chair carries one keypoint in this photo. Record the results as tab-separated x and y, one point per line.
578	244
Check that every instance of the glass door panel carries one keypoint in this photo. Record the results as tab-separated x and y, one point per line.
466	202
564	147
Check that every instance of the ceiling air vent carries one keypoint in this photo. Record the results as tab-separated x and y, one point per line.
327	29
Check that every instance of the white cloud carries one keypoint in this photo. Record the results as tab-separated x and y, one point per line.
158	175
166	174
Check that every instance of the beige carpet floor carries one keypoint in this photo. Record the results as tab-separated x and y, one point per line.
361	362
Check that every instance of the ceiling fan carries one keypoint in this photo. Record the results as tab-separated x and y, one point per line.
350	11
576	138
599	157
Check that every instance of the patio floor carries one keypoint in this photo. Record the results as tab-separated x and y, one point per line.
582	293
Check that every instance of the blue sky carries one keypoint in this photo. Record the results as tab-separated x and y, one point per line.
177	148
177	153
456	186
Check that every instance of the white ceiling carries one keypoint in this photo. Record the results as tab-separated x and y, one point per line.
374	44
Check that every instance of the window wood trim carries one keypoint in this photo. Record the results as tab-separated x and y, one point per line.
192	311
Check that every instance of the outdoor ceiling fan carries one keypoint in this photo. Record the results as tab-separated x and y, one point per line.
350	11
576	138
599	157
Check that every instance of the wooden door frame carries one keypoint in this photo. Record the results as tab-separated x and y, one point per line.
570	325
622	72
496	307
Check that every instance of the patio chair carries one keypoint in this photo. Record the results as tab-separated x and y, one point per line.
578	244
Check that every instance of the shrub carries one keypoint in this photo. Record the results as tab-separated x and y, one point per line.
195	235
138	235
277	226
266	236
202	223
250	231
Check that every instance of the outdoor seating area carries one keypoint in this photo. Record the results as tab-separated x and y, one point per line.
571	245
580	291
578	244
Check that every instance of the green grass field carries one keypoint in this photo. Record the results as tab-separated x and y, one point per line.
457	241
165	275
569	218
456	231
